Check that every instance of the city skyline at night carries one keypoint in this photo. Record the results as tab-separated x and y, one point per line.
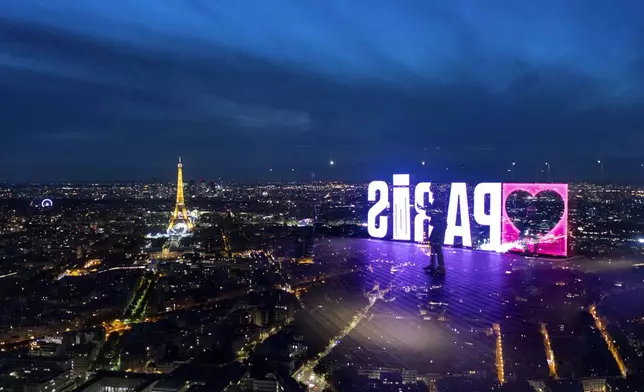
286	271
321	196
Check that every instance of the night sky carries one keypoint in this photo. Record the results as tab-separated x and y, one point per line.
118	89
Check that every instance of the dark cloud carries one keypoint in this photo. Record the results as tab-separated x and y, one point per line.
70	136
378	86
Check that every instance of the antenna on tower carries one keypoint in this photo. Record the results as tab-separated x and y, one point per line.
179	158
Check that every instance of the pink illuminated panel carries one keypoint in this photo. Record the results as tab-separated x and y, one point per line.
535	214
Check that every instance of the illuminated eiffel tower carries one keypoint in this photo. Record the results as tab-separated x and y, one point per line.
180	214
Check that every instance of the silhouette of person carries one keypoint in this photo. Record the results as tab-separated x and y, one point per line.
438	220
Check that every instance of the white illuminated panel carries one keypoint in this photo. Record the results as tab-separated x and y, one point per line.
493	219
402	219
458	202
422	189
378	191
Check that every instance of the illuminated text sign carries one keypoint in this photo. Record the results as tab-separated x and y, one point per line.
518	216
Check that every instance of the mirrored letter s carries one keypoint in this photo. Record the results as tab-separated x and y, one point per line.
377	225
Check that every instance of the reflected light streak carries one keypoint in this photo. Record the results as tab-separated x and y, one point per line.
306	372
508	246
500	365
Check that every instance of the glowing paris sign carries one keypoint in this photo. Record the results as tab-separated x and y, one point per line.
520	217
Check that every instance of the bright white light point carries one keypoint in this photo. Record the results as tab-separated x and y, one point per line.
292	169
513	163
46	203
599	161
640	240
331	163
423	163
270	169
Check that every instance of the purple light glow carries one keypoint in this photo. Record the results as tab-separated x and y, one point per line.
553	243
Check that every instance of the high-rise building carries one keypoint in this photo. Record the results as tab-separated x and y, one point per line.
261	317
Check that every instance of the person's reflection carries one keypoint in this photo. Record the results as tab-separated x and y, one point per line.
438	220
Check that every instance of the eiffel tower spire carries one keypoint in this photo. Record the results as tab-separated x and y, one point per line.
180	213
